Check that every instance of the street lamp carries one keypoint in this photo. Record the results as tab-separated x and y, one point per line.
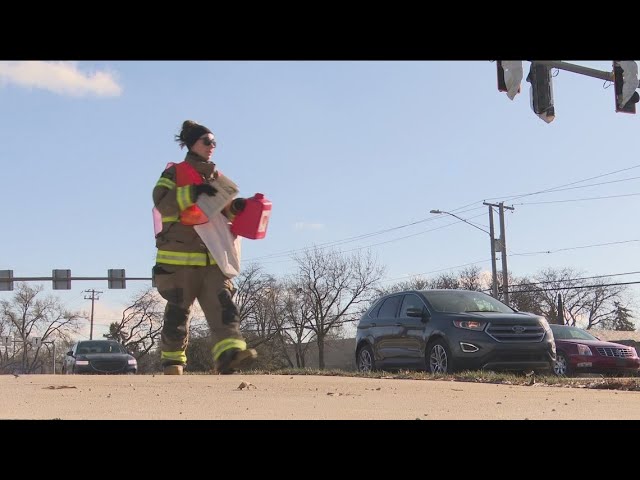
461	219
494	275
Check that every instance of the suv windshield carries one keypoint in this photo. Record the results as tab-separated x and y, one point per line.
461	301
99	347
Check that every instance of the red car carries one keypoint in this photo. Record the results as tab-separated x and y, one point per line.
578	351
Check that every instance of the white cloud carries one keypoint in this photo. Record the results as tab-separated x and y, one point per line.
63	78
308	226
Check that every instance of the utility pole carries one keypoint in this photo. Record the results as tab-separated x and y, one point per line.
502	247
93	298
494	274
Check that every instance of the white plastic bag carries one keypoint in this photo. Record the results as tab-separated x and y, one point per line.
223	245
226	191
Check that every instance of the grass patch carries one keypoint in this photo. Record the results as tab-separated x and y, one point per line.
475	376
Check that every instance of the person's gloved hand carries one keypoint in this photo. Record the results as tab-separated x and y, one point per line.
205	188
238	205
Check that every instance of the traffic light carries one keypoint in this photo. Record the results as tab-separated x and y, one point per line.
61	279
117	278
6	280
625	79
541	91
509	77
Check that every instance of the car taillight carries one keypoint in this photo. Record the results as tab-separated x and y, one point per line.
82	362
469	324
132	361
584	350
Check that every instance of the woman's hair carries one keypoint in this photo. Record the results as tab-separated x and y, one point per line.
190	133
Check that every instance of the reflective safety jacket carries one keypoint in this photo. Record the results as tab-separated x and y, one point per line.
178	243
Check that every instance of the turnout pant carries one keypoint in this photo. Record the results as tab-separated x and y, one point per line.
180	286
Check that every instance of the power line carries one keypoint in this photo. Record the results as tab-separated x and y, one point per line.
370	245
575	248
575	288
573	279
579	199
457	210
513	197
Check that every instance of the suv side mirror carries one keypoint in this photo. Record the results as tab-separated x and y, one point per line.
70	353
421	313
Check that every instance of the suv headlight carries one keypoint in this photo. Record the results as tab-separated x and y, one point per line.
469	324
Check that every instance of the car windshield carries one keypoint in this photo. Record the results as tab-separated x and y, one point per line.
99	347
561	332
461	301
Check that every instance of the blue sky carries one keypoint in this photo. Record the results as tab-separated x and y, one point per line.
342	149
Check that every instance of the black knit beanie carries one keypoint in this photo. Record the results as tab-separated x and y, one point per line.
191	132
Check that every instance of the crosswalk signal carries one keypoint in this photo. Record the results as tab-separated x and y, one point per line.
541	91
625	80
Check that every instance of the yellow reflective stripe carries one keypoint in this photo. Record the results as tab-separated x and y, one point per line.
170	218
183	196
179	356
182	258
165	182
224	345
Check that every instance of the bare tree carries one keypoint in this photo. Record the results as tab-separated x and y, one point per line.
602	303
414	283
296	331
526	297
29	316
334	288
256	295
470	278
141	324
445	280
586	301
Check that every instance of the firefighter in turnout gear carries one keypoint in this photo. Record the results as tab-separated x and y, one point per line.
185	270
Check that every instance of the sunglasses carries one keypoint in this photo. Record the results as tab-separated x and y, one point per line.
208	141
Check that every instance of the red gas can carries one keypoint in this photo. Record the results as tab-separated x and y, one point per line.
253	220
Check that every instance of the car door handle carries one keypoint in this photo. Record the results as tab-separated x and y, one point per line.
398	324
373	324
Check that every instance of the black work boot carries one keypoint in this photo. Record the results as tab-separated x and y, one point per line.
232	359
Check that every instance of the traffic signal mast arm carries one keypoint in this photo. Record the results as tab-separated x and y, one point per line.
624	77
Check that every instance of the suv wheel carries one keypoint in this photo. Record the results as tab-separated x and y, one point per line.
364	360
439	358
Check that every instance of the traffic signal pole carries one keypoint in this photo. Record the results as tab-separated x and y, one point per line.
624	78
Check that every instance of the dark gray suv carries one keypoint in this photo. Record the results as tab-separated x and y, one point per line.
447	330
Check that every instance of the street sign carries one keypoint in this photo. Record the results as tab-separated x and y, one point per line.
36	341
6	340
